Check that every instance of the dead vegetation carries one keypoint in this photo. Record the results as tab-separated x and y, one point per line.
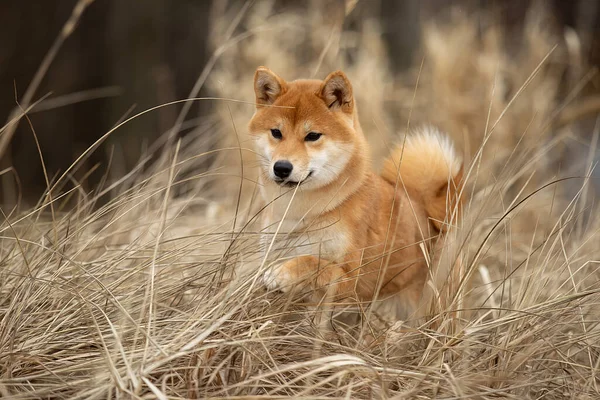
154	294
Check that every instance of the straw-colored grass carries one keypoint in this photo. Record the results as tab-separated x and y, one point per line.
155	294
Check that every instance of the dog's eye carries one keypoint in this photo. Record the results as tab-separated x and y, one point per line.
276	133
312	137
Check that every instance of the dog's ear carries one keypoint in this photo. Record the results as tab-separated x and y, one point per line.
336	92
267	86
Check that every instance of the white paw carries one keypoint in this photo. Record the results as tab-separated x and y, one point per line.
277	278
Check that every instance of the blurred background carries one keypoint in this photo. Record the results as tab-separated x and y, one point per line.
126	56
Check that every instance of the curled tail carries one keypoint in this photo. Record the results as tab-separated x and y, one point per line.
428	164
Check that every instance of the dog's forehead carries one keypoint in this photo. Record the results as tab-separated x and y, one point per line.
304	103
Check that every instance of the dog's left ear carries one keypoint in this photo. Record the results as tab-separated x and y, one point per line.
336	91
267	86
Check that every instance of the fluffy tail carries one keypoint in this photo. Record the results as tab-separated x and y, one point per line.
429	165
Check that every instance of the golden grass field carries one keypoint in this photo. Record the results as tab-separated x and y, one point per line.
155	293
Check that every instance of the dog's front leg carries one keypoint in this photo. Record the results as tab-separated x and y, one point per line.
321	277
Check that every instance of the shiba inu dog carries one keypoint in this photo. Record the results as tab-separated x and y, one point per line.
366	234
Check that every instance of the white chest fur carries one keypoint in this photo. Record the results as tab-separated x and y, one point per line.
295	219
321	237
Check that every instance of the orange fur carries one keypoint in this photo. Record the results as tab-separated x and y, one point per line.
427	163
365	233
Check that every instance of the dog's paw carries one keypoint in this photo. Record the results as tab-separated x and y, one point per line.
278	278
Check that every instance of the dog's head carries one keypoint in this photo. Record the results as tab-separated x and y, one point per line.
305	131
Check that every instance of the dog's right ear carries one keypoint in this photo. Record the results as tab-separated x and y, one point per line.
336	92
267	86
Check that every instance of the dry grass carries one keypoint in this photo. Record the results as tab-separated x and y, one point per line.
154	295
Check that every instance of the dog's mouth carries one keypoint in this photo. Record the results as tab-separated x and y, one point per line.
290	184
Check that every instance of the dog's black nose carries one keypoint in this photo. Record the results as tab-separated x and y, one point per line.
283	169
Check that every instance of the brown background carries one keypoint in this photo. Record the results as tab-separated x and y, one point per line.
150	52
